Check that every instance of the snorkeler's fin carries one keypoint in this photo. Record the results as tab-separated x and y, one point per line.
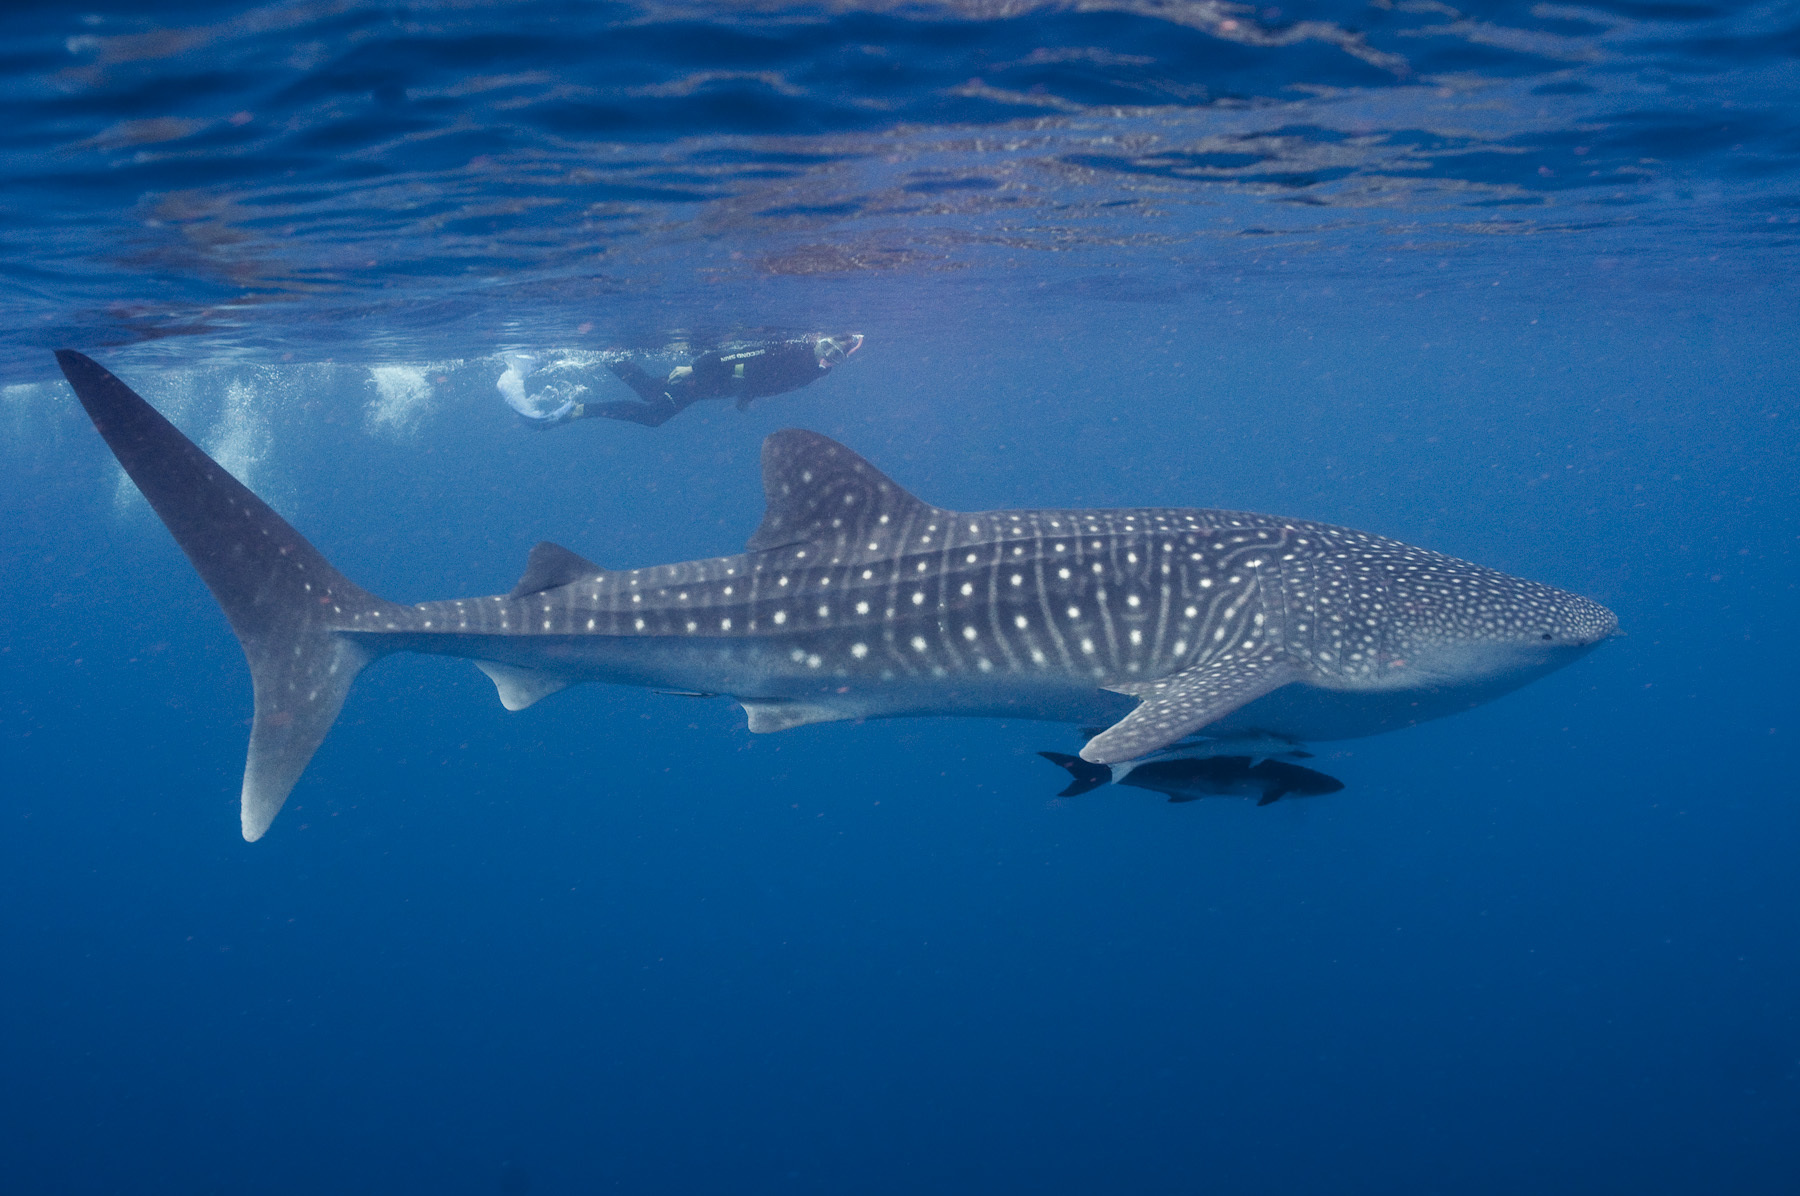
282	597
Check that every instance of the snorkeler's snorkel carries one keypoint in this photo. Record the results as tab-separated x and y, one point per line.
832	350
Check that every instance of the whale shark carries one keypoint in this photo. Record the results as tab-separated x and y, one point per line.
855	599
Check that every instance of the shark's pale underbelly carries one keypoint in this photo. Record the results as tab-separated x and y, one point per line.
766	669
771	669
1308	713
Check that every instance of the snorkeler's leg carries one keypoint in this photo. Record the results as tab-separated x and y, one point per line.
631	374
652	413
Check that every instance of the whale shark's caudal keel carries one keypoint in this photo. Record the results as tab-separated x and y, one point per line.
854	599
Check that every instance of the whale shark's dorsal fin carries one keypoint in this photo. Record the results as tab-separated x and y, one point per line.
551	565
819	492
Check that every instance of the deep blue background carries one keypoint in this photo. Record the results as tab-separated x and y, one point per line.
617	942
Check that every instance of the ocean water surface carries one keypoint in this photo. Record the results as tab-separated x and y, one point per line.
1513	282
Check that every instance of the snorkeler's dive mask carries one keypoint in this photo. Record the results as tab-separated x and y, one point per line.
833	349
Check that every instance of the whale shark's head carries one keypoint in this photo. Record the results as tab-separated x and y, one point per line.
1382	615
1497	632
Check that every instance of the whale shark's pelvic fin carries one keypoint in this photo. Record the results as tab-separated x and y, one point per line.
519	688
768	716
282	597
1180	705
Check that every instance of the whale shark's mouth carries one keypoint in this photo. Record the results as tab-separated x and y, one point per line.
1586	623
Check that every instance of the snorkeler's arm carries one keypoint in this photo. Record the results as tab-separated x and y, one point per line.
779	369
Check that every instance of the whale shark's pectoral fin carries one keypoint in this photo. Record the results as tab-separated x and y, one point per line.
552	565
1180	705
520	688
779	716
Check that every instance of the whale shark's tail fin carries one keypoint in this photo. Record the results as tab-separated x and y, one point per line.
283	599
1085	776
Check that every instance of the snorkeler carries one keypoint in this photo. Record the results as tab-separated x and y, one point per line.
740	370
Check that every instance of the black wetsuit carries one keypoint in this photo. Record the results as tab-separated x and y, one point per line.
737	371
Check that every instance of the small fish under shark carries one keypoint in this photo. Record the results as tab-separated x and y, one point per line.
855	599
1247	765
1189	778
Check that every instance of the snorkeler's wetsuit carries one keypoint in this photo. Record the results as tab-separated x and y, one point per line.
741	371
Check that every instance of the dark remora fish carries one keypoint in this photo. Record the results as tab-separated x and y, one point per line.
1189	779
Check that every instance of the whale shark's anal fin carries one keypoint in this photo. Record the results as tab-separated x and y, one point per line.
282	597
1173	707
552	565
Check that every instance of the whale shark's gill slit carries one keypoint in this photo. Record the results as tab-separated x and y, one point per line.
996	619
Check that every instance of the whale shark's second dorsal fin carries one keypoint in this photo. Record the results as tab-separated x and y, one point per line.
819	492
551	565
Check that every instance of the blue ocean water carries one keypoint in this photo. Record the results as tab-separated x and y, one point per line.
1513	282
